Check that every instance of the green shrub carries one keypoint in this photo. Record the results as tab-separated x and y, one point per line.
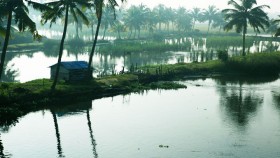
223	55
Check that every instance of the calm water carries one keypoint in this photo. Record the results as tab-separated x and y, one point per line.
211	118
39	62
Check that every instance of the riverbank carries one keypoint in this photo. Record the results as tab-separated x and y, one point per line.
18	99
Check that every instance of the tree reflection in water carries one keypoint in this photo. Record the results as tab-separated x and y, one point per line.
93	143
239	103
59	148
276	100
1	148
74	109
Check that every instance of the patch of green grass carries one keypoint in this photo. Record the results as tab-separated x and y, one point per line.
26	45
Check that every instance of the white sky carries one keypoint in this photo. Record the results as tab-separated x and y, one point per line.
274	4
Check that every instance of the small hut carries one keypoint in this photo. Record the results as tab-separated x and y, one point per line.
71	71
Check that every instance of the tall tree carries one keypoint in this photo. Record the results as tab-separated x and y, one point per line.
219	21
245	13
108	19
160	16
18	10
118	27
195	15
183	20
60	9
209	15
98	6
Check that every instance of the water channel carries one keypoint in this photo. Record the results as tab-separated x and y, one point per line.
219	117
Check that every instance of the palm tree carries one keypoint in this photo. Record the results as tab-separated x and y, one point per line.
273	27
150	23
54	10
18	9
278	30
195	14
183	20
118	27
108	19
98	6
77	24
219	21
243	14
159	12
209	15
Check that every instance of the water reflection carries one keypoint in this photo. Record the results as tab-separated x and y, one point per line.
93	143
276	100
239	103
68	111
1	148
59	148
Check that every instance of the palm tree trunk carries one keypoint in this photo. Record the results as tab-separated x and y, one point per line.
119	34
130	34
104	33
92	31
60	51
93	47
243	48
77	30
6	42
209	24
135	33
193	25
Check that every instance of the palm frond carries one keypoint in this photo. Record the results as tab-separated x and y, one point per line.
39	6
277	33
83	16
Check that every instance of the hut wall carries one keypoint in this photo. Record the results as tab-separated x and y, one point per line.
63	73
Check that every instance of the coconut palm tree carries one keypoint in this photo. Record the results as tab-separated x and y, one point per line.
98	6
209	15
108	19
219	21
273	27
195	15
118	27
160	16
18	10
245	13
52	11
183	20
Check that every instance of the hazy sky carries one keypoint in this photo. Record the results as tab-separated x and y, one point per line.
274	4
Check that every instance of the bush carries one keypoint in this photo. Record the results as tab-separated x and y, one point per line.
223	55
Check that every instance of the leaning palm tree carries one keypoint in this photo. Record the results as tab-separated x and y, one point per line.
243	14
18	10
98	6
54	10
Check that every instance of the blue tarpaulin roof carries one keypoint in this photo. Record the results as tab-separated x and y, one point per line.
71	65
